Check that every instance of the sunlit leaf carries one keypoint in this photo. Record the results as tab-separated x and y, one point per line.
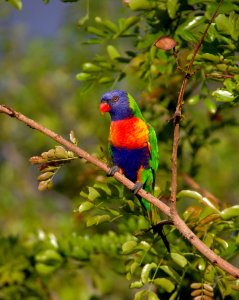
85	206
129	247
139	4
152	296
93	193
112	52
16	3
230	212
145	274
171	272
164	283
179	259
223	95
136	284
172	6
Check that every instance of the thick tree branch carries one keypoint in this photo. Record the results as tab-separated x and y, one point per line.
178	222
178	114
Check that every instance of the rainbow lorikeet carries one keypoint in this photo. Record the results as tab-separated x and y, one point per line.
132	144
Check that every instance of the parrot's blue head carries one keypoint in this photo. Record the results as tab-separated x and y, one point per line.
117	104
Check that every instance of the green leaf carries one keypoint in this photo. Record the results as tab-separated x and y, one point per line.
87	205
230	85
222	242
211	106
210	57
196	196
144	246
179	259
96	220
171	272
152	296
172	7
107	24
164	283
106	79
49	257
103	218
189	194
112	52
84	76
43	269
223	95
146	272
136	284
113	212
93	193
193	100
16	3
139	295
125	24
103	186
134	266
96	31
208	240
224	287
193	22
228	25
89	67
139	4
129	247
174	295
230	212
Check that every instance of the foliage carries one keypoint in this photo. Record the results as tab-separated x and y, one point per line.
111	245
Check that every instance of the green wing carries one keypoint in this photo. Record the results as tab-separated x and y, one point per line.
134	107
148	175
153	148
110	152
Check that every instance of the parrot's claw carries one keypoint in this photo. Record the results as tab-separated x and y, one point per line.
113	170
137	187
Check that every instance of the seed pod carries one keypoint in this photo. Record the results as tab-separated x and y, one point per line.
60	152
51	154
45	176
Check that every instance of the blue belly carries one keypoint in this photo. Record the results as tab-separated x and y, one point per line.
130	160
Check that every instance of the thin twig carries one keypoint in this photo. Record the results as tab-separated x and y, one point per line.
219	76
178	222
178	114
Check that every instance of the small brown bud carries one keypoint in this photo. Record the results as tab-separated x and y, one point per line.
165	43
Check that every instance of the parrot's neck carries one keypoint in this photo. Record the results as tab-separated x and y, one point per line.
122	114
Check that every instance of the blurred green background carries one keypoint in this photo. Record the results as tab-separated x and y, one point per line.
41	52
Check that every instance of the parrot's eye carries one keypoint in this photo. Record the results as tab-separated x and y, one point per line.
115	98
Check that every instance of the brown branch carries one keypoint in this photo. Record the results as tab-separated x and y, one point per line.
178	114
178	222
82	154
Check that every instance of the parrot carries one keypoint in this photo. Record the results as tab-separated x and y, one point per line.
132	144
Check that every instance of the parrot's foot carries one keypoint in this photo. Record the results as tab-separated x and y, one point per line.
137	187
113	170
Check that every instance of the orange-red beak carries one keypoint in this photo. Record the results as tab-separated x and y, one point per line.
104	107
